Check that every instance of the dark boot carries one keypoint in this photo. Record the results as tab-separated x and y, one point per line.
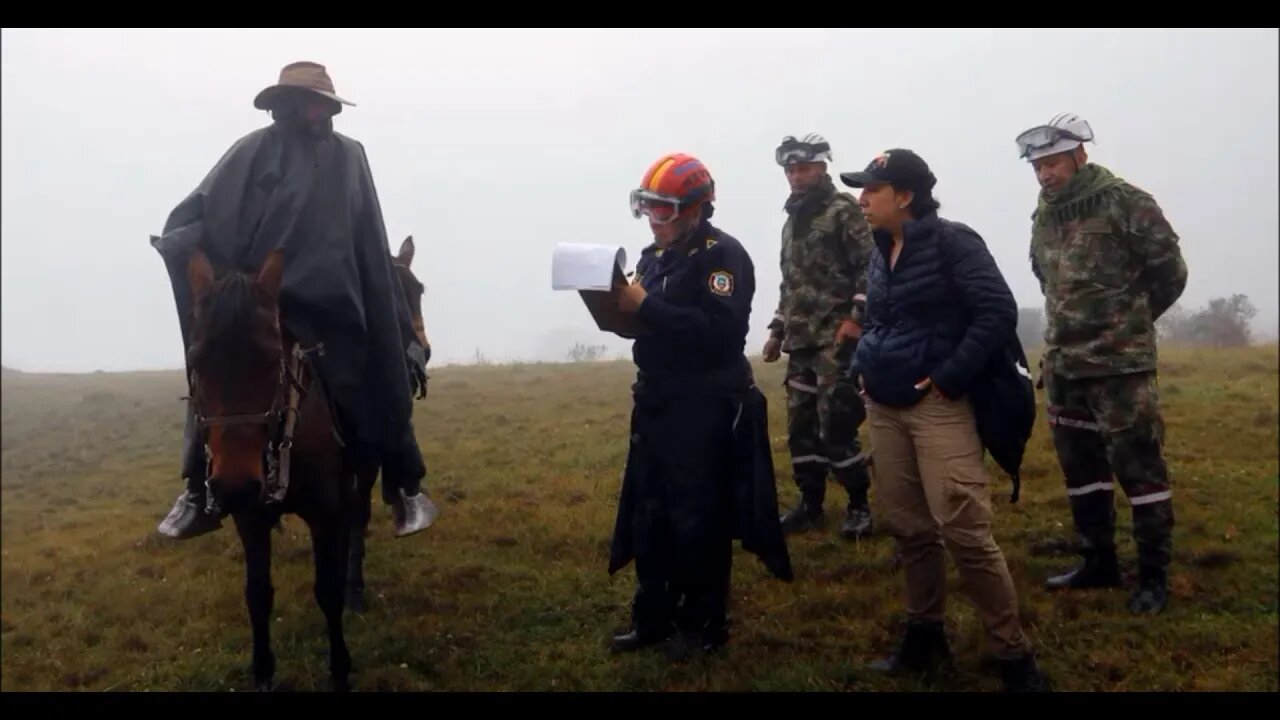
1100	570
1022	675
857	516
805	516
188	518
633	640
685	645
1152	593
923	648
857	522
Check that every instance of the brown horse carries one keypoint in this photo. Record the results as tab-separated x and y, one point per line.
367	476
413	289
270	444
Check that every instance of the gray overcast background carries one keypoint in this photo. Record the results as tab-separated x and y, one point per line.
490	146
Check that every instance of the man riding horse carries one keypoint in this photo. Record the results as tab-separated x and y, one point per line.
298	186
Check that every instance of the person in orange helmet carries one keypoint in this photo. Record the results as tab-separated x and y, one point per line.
699	471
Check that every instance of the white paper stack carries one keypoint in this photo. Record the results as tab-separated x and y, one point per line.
579	266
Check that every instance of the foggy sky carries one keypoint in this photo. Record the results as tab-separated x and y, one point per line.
491	146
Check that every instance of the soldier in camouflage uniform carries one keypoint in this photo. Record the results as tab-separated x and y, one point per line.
826	243
1109	265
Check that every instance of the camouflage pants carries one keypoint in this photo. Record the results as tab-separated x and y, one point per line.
1106	430
824	412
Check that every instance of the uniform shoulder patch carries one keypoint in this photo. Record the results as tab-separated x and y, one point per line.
720	282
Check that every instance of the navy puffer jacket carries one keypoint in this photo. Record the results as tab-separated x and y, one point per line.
926	322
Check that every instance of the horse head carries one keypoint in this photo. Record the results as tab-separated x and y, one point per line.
413	288
237	360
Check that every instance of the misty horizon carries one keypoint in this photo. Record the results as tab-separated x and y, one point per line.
489	147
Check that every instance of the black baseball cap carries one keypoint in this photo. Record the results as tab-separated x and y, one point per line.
899	167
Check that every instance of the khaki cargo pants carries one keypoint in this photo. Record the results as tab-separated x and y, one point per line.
932	491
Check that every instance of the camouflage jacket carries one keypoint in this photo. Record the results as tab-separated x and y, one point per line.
1109	265
826	245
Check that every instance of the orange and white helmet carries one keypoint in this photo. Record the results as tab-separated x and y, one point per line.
672	186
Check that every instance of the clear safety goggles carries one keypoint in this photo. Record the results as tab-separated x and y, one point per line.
1044	136
661	209
798	152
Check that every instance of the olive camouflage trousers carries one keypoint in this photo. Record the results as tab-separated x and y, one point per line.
824	412
1108	430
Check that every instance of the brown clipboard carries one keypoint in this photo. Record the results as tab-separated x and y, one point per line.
603	306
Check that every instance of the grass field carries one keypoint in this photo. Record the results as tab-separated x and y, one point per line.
509	592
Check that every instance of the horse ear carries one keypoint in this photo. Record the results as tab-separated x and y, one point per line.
272	272
405	255
199	275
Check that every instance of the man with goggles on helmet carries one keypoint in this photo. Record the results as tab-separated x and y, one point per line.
699	471
1109	265
826	243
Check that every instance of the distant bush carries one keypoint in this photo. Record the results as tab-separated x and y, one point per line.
587	353
1222	322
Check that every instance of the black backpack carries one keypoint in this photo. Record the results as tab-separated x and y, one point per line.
1003	396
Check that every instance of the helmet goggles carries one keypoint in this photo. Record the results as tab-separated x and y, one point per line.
661	209
793	151
1044	136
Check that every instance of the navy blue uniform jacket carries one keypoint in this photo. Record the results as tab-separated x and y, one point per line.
697	313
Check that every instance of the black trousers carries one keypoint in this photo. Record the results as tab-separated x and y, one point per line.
683	536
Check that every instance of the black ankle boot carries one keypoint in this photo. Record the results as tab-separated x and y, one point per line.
922	648
857	522
806	515
633	640
1152	593
1100	570
1022	675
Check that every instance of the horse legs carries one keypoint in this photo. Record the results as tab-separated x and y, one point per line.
259	595
361	512
355	570
329	540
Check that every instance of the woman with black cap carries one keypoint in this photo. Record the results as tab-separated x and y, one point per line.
937	309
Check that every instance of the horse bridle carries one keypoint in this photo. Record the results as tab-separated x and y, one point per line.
280	419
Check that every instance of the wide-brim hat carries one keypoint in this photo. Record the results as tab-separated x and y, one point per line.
300	75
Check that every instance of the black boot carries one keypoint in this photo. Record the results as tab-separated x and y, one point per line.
1152	593
923	648
1100	570
807	515
857	517
188	518
684	645
633	640
1022	675
857	522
